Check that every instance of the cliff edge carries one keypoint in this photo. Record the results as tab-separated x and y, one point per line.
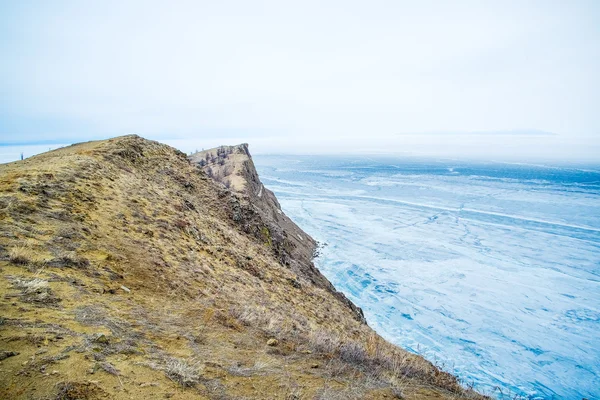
259	213
128	271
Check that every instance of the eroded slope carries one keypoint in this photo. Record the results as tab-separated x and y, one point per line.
258	212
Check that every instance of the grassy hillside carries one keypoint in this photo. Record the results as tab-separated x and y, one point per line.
125	273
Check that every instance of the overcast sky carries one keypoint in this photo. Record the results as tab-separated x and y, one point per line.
495	79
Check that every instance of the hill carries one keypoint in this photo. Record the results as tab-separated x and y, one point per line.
130	271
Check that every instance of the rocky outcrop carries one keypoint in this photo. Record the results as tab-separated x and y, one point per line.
257	210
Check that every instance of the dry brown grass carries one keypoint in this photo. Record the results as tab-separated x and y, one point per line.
35	291
26	256
204	292
79	391
184	372
20	255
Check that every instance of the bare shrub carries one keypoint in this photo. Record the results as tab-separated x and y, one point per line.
261	365
336	368
329	393
323	342
31	286
187	375
275	326
353	352
247	315
227	320
35	291
20	255
294	392
26	256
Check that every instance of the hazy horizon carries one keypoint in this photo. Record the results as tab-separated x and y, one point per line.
470	80
10	153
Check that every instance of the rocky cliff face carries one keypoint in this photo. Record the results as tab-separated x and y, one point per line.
127	272
258	212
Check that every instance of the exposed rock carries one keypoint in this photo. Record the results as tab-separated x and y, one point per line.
6	354
257	210
101	338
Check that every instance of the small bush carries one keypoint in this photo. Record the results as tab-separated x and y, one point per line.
31	286
21	255
181	372
227	320
323	342
353	353
35	291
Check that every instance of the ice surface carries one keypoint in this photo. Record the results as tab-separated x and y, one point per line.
490	270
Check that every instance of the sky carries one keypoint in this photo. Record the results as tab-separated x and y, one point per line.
485	79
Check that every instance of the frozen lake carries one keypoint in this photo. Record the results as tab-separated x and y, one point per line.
489	270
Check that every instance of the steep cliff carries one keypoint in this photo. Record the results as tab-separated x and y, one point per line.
258	212
127	272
